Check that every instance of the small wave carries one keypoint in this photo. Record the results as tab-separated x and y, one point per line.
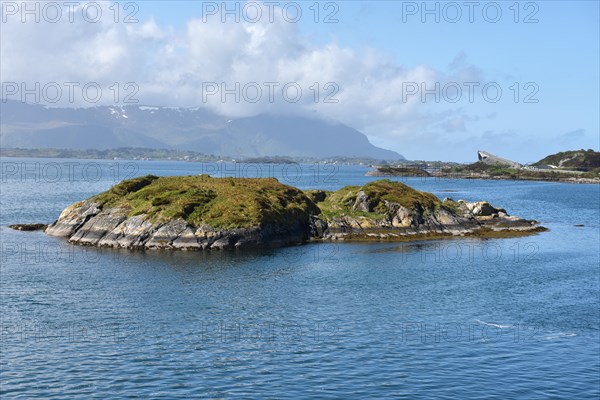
560	335
494	325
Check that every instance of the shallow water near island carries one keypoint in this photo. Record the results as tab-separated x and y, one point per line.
459	318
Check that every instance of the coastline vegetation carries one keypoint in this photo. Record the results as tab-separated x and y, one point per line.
218	202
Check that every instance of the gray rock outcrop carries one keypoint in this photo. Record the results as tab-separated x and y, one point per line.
366	213
459	218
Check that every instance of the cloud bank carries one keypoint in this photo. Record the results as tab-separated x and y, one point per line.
177	67
239	69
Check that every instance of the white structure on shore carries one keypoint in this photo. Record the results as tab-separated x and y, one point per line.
491	159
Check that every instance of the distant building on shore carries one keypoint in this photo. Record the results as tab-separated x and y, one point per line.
491	159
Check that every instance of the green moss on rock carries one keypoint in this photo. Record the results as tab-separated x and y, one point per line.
400	193
341	202
218	202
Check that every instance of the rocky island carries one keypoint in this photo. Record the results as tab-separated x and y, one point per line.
201	212
397	171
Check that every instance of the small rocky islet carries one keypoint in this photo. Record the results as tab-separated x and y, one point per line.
397	171
201	213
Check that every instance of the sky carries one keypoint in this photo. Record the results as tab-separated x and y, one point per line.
431	80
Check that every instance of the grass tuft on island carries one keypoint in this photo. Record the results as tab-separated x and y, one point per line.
201	212
218	202
341	202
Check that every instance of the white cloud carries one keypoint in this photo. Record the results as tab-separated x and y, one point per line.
170	67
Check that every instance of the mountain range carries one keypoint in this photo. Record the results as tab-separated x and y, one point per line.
26	125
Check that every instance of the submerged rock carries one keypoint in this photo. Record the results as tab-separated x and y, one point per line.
200	213
28	227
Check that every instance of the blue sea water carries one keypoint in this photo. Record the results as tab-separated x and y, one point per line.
455	319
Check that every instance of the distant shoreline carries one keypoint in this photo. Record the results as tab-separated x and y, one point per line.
489	172
569	179
445	170
141	154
